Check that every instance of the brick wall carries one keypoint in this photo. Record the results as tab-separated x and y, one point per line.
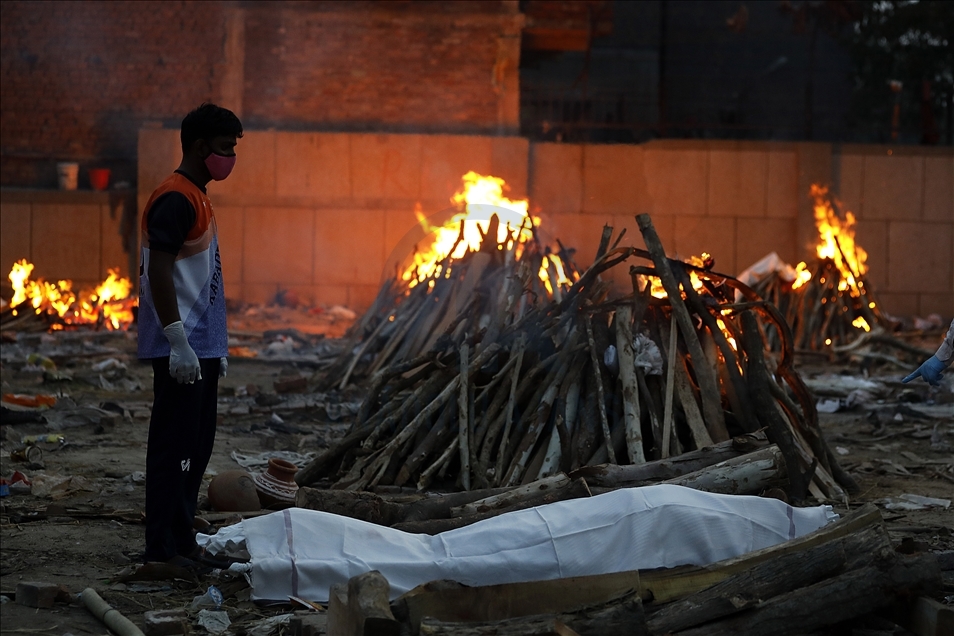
81	78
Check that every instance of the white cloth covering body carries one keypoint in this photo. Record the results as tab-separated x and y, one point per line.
302	553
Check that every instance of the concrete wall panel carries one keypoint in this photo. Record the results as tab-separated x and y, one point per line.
446	158
556	178
781	191
278	246
737	183
316	165
66	243
872	236
348	247
757	237
509	160
919	257
231	227
386	166
942	304
893	187
613	180
677	181
939	189
255	167
160	154
15	221
850	187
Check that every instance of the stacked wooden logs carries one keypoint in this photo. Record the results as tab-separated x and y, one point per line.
497	389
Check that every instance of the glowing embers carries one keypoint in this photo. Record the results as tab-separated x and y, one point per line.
108	305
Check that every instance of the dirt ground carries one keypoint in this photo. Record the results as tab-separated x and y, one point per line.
79	525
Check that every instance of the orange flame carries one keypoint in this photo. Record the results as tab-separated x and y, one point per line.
110	301
836	242
479	198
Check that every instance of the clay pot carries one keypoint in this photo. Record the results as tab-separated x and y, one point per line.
276	486
233	491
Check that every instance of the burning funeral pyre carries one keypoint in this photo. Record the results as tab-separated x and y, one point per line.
502	364
829	303
40	305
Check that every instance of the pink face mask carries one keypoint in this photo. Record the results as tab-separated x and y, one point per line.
219	166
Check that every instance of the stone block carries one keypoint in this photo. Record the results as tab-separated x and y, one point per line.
66	242
316	165
850	187
14	235
900	303
556	178
348	247
893	187
278	246
781	192
698	234
160	152
447	158
872	237
41	594
402	233
920	257
814	164
386	166
737	183
614	181
231	228
942	304
255	169
677	180
166	622
112	254
757	237
939	188
508	160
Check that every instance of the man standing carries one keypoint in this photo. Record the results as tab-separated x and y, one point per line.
182	330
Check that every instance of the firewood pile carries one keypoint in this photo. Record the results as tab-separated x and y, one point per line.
840	573
479	379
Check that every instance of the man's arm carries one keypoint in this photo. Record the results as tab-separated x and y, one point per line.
163	289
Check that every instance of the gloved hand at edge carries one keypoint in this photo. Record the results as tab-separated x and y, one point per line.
931	370
223	367
183	363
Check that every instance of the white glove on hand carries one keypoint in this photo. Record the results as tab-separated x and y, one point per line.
183	363
223	367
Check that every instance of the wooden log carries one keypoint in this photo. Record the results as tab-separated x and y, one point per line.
624	617
763	581
601	398
361	607
711	403
630	385
746	475
670	382
512	496
463	412
437	437
766	408
612	475
832	601
576	489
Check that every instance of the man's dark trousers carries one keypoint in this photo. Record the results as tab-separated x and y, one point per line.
181	435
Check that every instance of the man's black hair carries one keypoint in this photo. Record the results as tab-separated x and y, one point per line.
208	121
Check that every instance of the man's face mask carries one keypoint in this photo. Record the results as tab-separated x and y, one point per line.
220	166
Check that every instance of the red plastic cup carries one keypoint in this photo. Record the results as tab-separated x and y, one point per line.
99	178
